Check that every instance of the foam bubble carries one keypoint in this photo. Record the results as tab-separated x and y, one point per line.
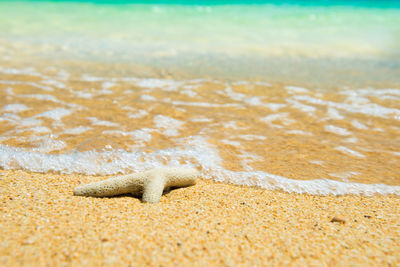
85	95
251	137
55	114
141	136
96	121
16	108
55	83
302	107
282	117
231	124
77	130
140	114
274	106
355	103
334	114
169	125
337	130
167	85
349	151
358	125
201	119
202	104
147	98
296	89
298	132
230	142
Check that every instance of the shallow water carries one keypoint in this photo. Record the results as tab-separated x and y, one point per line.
250	133
107	89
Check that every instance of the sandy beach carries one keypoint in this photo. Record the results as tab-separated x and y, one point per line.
291	114
43	224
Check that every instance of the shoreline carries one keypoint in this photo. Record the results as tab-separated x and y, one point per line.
333	73
42	223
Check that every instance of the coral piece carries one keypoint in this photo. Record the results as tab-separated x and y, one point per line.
151	183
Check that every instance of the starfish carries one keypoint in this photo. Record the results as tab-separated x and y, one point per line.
151	183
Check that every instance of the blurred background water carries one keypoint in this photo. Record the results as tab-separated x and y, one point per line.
317	42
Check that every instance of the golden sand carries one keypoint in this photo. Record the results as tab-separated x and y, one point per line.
43	224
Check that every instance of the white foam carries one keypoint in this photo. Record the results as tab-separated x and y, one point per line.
89	78
77	130
252	137
201	119
241	83
349	151
16	108
299	132
355	104
55	114
33	84
358	125
168	125
63	75
253	101
230	124
274	106
107	85
337	130
296	89
282	117
352	139
85	95
42	97
230	142
140	114
334	114
247	158
202	104
188	92
344	175
38	129
317	162
30	122
302	107
147	98
96	121
26	71
55	83
167	85
141	136
46	144
194	152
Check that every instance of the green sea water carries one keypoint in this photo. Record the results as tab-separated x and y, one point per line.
324	41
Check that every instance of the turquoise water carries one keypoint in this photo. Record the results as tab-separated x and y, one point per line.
358	3
271	40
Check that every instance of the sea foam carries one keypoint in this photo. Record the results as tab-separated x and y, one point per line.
195	153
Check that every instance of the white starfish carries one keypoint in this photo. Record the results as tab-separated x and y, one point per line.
151	183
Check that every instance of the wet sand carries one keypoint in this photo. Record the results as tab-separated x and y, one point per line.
43	224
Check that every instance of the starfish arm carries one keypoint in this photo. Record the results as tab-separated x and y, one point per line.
154	188
177	177
113	186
